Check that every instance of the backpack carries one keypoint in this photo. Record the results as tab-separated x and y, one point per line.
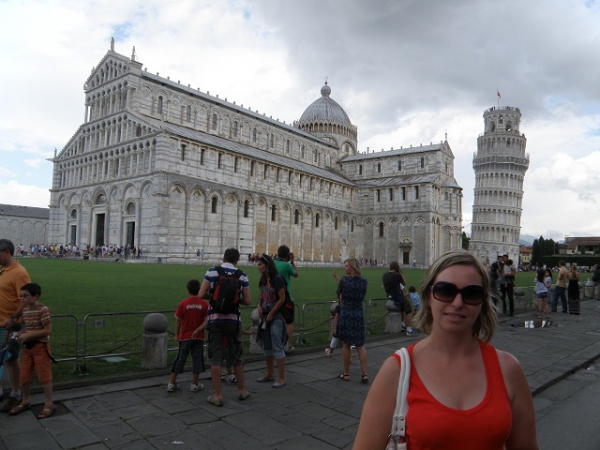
287	309
225	298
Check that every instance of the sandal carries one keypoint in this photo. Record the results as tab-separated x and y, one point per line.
21	407
46	412
344	376
364	379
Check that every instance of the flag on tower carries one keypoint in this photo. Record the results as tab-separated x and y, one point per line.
498	92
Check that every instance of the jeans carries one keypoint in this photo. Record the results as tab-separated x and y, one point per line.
507	289
559	292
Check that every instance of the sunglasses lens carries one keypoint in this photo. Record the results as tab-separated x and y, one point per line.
444	292
472	295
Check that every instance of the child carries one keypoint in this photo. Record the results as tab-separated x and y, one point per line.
541	292
334	339
191	319
36	349
415	298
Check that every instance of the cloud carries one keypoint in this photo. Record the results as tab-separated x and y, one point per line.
16	193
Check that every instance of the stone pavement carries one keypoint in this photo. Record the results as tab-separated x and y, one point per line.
315	410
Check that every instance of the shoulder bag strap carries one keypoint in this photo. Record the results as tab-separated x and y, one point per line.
397	437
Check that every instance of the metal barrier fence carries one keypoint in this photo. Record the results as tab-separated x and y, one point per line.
106	335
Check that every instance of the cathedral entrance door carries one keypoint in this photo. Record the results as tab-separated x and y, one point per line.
406	258
100	229
130	233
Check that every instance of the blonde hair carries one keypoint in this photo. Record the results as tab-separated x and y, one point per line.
354	265
487	321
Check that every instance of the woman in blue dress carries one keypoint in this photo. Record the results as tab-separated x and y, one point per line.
351	290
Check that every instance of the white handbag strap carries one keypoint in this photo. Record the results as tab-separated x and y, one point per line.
399	421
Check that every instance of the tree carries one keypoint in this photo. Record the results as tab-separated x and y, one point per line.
465	241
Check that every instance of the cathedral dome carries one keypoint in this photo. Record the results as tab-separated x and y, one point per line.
325	110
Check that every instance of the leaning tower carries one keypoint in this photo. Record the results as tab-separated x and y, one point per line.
500	165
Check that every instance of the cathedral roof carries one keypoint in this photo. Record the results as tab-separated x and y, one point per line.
325	110
395	152
409	179
249	151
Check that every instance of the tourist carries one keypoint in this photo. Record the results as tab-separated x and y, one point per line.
573	289
463	393
286	267
36	354
393	284
13	276
541	292
272	331
351	291
191	318
560	288
224	336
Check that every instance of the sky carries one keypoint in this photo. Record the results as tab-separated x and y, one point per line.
405	71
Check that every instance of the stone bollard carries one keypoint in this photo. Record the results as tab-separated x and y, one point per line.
154	346
393	320
255	348
519	296
588	289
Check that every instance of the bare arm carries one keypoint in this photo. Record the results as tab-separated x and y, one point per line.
378	410
293	263
201	327
523	434
278	305
247	300
177	328
204	288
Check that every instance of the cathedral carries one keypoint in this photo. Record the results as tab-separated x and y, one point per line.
177	172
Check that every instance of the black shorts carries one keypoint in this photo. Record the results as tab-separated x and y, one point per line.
231	351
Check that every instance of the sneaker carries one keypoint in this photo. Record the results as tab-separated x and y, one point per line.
172	387
196	387
412	333
10	404
328	352
353	347
232	378
290	349
243	395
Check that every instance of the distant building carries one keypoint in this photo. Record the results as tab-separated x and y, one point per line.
579	246
167	168
525	253
500	165
24	225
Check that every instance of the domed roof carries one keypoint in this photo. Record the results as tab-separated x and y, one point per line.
325	109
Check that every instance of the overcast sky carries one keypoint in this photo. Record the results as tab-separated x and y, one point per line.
405	71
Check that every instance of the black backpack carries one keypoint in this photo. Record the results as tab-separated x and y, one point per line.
225	298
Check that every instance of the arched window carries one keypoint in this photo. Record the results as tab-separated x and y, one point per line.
235	129
246	208
131	209
273	213
352	226
213	206
360	169
422	162
336	223
74	214
188	113
138	131
272	141
378	167
381	229
213	124
160	104
302	152
378	195
287	146
254	135
317	220
399	165
296	217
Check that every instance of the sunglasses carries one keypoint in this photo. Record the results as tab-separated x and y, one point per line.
446	292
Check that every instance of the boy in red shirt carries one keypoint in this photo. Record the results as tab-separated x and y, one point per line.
191	319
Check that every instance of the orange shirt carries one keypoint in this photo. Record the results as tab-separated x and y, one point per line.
431	425
12	280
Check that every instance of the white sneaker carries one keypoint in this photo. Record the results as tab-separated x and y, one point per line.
328	352
196	387
172	387
232	378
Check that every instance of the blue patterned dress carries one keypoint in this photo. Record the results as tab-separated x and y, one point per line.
351	327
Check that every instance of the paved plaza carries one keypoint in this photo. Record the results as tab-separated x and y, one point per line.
314	411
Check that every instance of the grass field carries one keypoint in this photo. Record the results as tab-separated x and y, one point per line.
98	293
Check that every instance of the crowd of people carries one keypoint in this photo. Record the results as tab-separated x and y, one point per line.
478	394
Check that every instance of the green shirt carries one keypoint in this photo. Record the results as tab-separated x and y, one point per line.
286	270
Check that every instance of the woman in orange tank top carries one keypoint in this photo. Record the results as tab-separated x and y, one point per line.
463	394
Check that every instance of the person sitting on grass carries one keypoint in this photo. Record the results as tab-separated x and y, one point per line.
36	352
191	320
